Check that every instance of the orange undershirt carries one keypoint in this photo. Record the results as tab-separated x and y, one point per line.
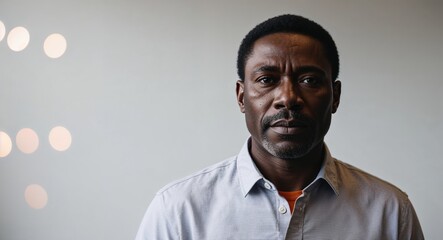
291	197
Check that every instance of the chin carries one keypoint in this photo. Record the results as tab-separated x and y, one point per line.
288	150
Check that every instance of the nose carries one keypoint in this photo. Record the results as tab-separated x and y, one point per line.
287	96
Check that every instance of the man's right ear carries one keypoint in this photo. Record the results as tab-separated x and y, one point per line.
240	90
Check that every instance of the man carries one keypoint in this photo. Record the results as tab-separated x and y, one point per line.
284	184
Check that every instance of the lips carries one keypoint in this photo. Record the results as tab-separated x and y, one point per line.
285	126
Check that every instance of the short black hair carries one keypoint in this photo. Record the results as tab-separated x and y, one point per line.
288	24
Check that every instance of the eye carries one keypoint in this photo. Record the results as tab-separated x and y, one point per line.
310	81
267	80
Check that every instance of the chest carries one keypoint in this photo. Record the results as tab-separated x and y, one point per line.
265	215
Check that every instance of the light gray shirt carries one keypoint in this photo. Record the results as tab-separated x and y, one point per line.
232	200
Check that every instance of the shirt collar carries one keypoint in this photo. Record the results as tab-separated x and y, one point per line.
249	175
247	171
328	172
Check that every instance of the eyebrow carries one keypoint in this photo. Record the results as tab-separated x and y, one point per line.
299	70
267	68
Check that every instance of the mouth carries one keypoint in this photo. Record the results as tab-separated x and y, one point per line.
288	126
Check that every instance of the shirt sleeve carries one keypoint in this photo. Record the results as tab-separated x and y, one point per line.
410	228
156	222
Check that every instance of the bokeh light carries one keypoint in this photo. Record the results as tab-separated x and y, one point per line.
60	138
5	144
27	140
18	39
36	196
2	31
55	45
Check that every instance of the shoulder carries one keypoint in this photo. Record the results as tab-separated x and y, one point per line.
356	179
207	177
190	197
379	196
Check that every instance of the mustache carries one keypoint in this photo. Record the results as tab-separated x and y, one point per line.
284	115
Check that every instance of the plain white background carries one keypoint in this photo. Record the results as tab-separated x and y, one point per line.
147	89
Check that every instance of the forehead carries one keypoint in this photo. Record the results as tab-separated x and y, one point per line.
288	51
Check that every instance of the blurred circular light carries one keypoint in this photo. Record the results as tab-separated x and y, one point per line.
18	39
2	31
5	144
27	140
55	45
60	138
36	196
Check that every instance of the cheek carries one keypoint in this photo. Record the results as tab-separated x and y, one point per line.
321	100
322	109
259	101
252	110
320	105
255	109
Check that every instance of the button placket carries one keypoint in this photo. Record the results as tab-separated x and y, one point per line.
282	209
301	203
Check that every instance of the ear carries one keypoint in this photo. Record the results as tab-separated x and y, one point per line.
240	90
336	92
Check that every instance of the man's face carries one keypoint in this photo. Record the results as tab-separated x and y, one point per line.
288	95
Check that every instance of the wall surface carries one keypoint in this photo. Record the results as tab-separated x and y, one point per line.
146	90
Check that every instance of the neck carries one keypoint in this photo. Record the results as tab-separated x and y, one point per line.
288	174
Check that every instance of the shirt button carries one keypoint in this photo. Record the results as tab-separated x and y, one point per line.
267	185
282	210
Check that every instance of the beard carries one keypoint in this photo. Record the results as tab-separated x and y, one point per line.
289	147
290	150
